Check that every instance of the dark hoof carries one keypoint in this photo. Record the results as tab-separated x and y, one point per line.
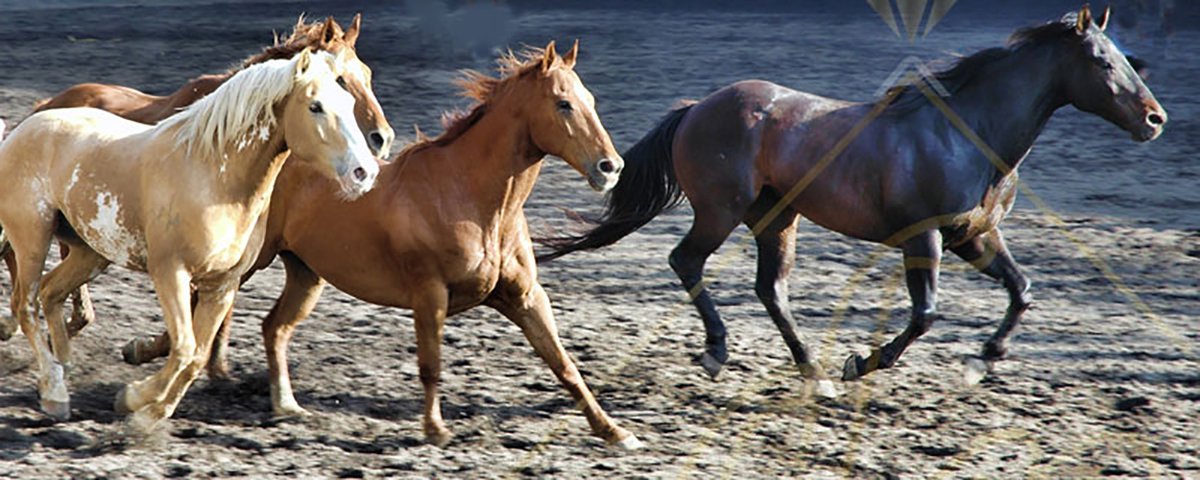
975	369
133	353
219	372
8	327
711	365
854	368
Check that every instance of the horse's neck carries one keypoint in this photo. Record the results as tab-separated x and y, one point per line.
498	160
1013	102
189	93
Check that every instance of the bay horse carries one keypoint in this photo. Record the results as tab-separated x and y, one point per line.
897	171
181	200
445	230
145	108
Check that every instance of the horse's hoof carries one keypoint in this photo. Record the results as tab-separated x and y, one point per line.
121	403
142	424
853	369
58	410
974	370
628	442
438	437
711	365
132	352
219	372
8	328
287	412
825	389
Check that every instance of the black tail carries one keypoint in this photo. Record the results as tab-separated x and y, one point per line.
647	187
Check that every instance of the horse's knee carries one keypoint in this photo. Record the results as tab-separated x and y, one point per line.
922	320
1021	298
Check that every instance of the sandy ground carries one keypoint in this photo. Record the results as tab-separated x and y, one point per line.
1102	380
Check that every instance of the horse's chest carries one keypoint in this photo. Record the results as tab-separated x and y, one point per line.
997	201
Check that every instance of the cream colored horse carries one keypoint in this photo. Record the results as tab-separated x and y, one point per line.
181	200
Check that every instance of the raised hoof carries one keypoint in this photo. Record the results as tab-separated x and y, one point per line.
121	404
824	389
853	369
58	410
8	328
974	370
629	442
438	437
711	365
132	352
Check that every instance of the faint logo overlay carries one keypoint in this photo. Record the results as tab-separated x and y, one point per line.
911	13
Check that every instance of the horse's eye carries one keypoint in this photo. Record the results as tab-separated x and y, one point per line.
564	105
316	107
341	81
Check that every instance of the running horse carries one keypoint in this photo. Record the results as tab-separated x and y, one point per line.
182	201
897	171
445	230
145	108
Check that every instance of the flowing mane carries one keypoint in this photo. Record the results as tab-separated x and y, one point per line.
303	36
967	70
482	88
242	107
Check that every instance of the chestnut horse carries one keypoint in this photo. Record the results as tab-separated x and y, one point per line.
901	171
182	201
445	231
145	108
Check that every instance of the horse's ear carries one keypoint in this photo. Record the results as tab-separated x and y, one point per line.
548	57
571	56
1084	19
1103	23
351	35
330	31
303	61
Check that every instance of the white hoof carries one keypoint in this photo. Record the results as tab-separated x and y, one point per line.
630	443
55	399
289	411
974	370
825	389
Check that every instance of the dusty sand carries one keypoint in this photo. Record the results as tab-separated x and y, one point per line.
1102	379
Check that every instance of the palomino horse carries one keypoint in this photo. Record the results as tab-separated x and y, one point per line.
445	231
897	172
181	201
141	107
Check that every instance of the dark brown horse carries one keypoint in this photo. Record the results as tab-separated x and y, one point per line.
444	230
907	171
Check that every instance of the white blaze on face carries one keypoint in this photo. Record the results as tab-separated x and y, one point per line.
111	239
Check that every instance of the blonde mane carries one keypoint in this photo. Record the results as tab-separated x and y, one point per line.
241	110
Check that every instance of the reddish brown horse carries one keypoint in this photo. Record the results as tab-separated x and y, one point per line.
902	171
145	108
445	231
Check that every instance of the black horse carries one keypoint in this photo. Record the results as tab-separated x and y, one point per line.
912	170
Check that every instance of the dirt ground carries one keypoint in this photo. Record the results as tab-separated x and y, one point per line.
1102	378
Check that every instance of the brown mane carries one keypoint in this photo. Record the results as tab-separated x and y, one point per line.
482	88
304	36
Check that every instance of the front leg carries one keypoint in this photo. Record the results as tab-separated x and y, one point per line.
989	254
521	299
429	316
922	258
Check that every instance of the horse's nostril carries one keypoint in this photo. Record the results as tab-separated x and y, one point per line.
607	166
1155	119
376	139
360	174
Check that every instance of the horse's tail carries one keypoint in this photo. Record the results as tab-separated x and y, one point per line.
647	187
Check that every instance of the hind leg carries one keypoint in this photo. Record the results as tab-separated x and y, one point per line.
82	313
81	265
776	239
922	258
8	325
29	248
710	227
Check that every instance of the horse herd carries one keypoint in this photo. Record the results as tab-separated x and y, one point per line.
284	158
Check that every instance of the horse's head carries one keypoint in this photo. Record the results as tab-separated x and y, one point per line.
563	122
353	75
1101	80
318	123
